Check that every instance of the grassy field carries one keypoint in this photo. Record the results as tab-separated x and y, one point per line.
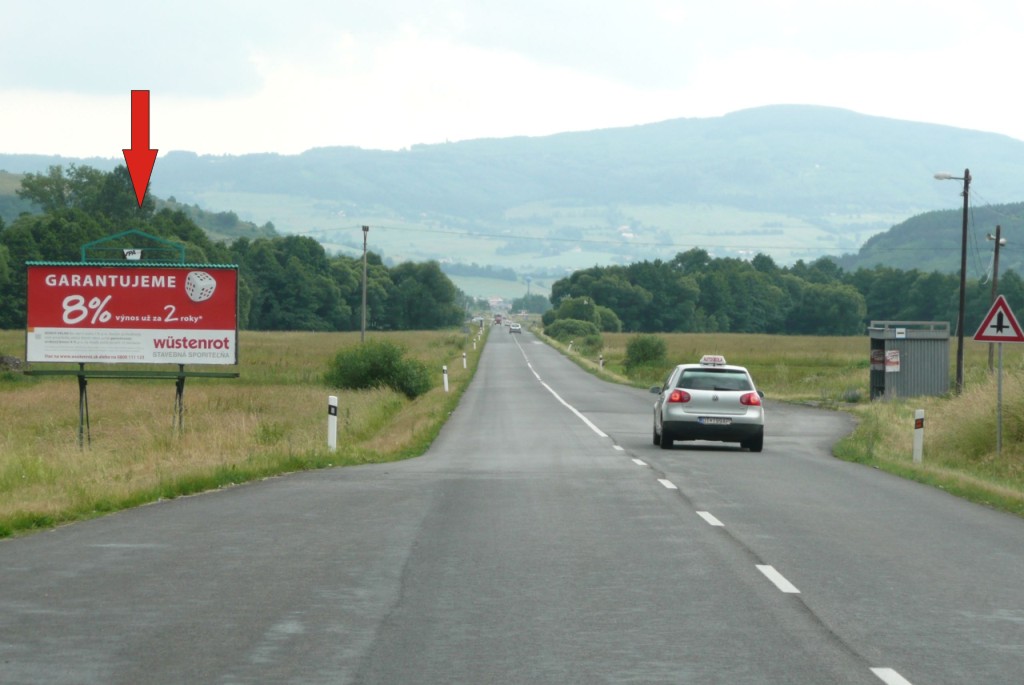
272	419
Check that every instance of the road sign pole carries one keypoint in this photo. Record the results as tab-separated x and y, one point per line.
999	326
999	405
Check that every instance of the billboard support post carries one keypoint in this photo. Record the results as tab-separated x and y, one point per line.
83	408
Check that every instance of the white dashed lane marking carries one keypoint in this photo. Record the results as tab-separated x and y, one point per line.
707	516
889	676
780	581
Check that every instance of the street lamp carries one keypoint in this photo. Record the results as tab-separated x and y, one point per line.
966	178
362	331
995	278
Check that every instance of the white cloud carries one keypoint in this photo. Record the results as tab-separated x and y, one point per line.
233	77
412	89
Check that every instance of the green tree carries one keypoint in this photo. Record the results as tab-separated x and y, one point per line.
580	308
827	309
424	297
930	297
533	303
5	268
109	195
607	320
673	302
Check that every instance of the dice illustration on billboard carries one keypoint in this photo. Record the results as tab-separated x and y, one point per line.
199	286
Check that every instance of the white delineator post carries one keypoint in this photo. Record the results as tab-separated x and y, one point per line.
918	435
464	360
332	422
444	370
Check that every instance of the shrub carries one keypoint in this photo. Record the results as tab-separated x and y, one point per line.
564	330
645	350
415	379
590	345
376	364
608	320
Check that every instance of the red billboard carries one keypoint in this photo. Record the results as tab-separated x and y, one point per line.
178	314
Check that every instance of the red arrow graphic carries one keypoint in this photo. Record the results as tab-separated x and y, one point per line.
140	158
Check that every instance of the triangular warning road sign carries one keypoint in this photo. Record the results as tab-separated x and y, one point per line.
1000	325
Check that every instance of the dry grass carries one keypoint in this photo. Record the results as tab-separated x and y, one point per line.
959	452
271	419
796	368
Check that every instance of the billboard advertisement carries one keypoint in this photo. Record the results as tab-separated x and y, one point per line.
140	314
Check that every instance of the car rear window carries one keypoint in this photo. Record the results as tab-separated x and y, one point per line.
714	379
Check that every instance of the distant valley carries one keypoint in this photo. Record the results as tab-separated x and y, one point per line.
793	182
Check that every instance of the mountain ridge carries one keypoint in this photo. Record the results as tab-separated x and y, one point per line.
791	181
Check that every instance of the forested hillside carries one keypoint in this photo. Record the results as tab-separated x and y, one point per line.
291	283
286	283
932	242
791	182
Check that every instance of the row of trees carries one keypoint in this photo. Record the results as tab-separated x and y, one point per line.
285	283
694	292
290	283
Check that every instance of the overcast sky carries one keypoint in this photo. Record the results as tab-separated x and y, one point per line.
234	76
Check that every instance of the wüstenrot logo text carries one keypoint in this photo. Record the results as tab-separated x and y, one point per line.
187	343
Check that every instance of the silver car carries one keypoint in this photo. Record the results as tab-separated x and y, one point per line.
711	400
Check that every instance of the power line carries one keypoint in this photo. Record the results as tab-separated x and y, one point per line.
632	243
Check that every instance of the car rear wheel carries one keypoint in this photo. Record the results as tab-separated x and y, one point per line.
754	444
666	439
657	438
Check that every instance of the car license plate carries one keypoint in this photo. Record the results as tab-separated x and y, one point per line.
715	420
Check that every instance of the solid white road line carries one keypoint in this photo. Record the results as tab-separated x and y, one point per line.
568	406
573	409
707	516
780	581
889	676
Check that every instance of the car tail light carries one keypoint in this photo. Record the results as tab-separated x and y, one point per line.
751	399
679	396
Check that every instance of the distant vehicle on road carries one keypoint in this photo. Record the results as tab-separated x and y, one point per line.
711	400
515	328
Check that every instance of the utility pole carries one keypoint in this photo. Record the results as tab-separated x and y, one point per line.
995	280
963	291
966	178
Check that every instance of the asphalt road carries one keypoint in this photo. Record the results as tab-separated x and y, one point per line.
542	539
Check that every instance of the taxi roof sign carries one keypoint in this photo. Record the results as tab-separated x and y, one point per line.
1000	325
